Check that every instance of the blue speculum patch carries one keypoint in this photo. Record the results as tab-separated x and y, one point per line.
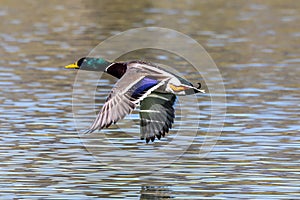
142	86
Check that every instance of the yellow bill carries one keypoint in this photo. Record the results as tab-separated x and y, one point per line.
72	66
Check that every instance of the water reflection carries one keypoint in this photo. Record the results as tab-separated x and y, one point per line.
255	45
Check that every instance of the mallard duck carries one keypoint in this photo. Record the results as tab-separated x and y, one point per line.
143	83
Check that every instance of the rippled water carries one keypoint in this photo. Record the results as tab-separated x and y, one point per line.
255	44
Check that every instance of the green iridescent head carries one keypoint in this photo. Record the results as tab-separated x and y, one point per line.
90	64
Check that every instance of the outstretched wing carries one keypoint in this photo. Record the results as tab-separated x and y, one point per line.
157	115
124	97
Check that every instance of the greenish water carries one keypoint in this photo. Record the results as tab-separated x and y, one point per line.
255	44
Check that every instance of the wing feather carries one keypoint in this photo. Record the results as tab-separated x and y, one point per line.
132	88
157	115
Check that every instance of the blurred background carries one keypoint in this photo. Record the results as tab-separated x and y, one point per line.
256	46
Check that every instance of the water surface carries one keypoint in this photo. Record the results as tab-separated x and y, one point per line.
256	47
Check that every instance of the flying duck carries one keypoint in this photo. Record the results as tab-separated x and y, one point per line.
143	83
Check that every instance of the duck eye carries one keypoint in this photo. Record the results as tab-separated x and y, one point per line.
80	61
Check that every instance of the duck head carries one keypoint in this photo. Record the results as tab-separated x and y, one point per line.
90	64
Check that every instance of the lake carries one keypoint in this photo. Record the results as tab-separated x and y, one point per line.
255	149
